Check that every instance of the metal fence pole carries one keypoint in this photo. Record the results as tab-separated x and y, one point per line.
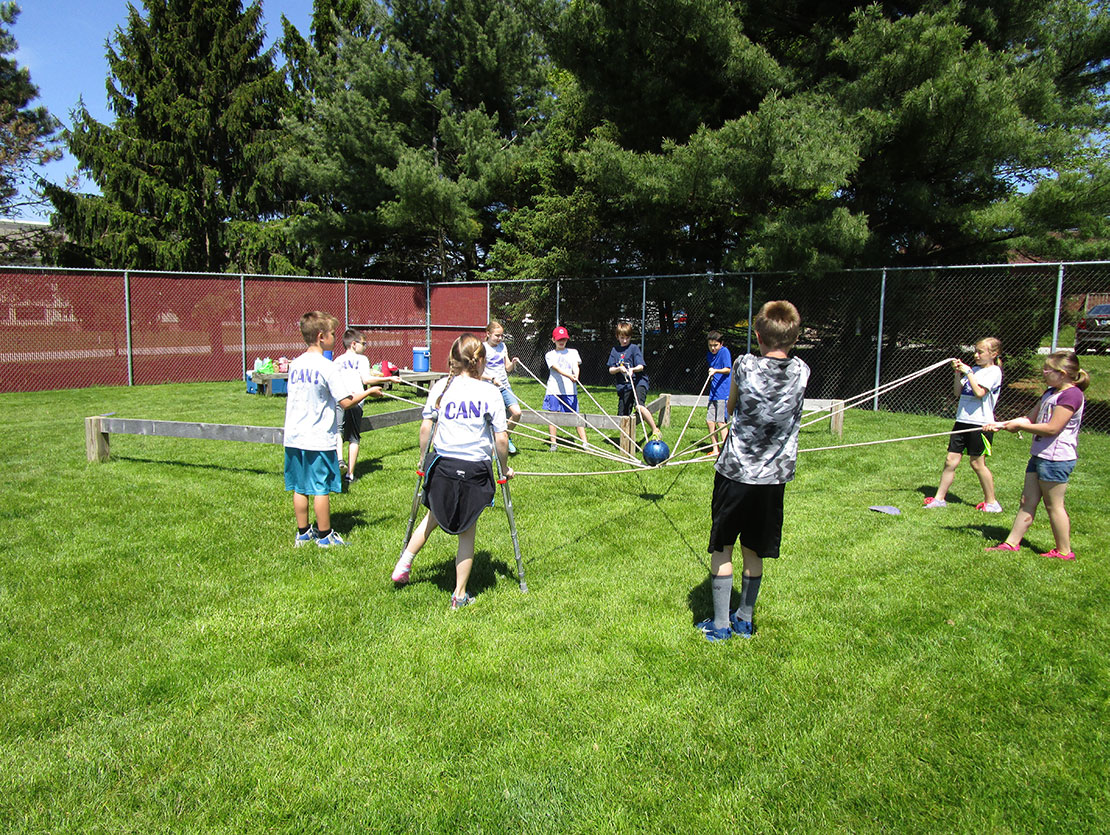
643	316
751	297
879	342
558	296
1059	294
243	318
346	303
127	327
428	313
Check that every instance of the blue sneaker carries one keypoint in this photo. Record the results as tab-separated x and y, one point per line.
331	540
306	538
743	628
712	633
463	600
512	447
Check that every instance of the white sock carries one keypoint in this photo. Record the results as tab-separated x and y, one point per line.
405	562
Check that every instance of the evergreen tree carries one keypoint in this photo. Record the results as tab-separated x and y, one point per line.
26	133
185	170
408	114
810	135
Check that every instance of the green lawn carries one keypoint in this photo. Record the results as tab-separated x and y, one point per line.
169	663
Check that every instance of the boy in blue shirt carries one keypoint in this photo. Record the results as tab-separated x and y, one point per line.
720	367
627	360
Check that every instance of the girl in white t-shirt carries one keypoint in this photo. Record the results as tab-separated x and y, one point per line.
498	368
459	483
978	387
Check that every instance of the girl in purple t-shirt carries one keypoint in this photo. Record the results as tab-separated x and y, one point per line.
1055	427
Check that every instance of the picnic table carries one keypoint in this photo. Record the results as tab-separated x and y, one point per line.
278	382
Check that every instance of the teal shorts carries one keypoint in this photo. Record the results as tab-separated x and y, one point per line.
312	472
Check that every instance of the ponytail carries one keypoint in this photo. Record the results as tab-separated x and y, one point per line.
468	356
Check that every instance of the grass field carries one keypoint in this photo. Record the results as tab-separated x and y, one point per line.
169	663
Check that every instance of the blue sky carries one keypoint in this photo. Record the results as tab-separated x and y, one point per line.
63	44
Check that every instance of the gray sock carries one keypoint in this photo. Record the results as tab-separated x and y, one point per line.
722	597
749	591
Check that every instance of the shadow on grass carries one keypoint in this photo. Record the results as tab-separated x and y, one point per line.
346	521
951	497
362	468
994	534
484	575
700	600
194	465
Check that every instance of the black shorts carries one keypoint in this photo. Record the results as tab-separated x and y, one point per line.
751	513
625	401
457	492
969	442
352	424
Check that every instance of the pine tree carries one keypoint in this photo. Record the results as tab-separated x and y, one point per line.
185	170
26	133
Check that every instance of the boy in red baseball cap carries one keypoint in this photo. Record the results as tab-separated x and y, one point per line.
562	382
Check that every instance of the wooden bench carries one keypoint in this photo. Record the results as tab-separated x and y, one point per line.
836	422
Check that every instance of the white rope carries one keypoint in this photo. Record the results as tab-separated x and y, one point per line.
891	440
566	430
690	417
885	388
599	472
402	399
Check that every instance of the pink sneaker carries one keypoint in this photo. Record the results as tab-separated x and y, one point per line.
933	501
401	571
1003	546
1070	555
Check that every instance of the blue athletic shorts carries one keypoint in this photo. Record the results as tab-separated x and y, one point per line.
560	403
312	472
1054	471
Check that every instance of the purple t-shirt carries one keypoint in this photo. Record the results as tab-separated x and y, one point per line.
1060	447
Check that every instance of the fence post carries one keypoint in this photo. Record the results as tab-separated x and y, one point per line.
751	296
243	318
1059	295
643	316
879	342
127	328
428	313
346	303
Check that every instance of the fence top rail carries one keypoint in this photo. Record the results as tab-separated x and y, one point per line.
40	268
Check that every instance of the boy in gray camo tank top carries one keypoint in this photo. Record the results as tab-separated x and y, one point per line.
758	458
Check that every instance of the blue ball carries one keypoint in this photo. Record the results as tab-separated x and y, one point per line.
656	452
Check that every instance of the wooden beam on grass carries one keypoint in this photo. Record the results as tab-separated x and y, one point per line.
99	429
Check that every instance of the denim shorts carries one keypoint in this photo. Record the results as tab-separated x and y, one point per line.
1054	471
508	396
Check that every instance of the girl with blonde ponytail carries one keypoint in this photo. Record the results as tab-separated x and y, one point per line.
459	483
1054	423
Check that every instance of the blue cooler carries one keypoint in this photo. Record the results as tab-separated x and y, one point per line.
252	386
421	358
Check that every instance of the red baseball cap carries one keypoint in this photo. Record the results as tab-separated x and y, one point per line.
560	333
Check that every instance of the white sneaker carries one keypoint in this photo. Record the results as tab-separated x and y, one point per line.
989	507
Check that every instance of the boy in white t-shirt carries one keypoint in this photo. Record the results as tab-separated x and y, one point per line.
356	366
316	387
562	382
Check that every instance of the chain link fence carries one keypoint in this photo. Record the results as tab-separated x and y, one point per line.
861	328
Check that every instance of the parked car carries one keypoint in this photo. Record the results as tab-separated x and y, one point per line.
1093	330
